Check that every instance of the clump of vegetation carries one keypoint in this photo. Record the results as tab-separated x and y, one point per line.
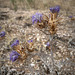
14	3
41	21
49	24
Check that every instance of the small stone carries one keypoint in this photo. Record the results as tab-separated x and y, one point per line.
32	65
72	42
59	55
36	67
54	55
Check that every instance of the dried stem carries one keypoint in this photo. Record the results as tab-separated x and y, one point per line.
51	49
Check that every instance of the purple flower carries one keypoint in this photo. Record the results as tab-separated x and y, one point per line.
48	44
0	27
70	16
36	18
29	41
15	43
14	55
2	34
55	9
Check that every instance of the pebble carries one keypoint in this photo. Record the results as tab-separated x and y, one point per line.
32	65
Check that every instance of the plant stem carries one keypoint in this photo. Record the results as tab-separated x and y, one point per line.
51	49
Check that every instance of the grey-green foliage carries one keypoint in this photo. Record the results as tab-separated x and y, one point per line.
14	2
21	0
29	1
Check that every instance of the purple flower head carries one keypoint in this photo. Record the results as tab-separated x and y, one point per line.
15	43
2	34
29	41
48	44
55	9
36	18
70	16
14	55
0	27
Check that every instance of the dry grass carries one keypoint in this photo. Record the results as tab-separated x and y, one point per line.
37	4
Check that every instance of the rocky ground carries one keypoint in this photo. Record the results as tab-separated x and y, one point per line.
18	25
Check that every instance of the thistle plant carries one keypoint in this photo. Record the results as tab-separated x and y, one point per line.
49	23
19	50
41	21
